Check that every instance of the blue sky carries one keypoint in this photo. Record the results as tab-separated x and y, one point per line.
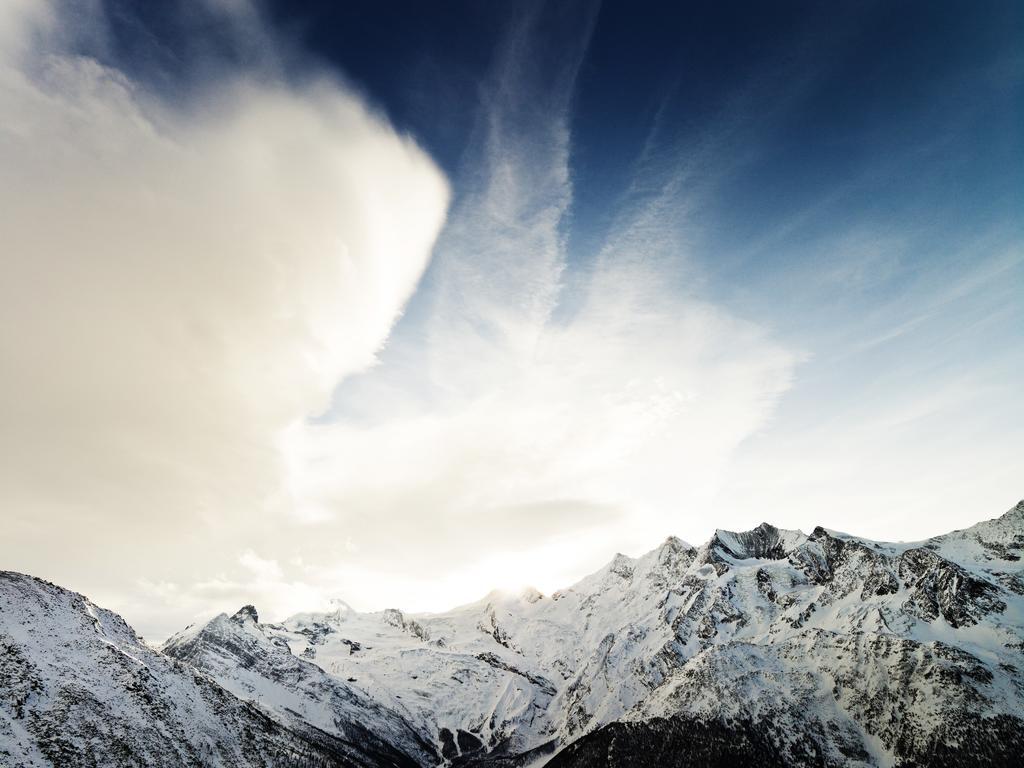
397	302
849	178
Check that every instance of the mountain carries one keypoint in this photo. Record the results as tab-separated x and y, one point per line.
79	688
765	647
256	666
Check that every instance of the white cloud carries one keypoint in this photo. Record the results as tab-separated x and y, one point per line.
182	284
260	567
499	435
185	287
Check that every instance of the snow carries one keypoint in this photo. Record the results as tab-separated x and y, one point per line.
828	633
525	669
75	661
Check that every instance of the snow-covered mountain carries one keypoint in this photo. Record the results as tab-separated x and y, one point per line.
79	688
766	647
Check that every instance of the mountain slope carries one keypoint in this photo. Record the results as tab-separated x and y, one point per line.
79	688
763	647
256	666
834	649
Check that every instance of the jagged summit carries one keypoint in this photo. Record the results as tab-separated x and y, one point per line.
622	566
247	613
674	542
763	542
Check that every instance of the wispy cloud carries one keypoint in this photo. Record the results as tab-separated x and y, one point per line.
509	428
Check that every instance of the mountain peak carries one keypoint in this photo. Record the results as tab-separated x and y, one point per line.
247	613
675	543
763	542
531	595
622	565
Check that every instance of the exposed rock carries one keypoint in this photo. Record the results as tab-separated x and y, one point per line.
941	588
764	647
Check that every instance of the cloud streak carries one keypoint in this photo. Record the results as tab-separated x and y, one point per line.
497	427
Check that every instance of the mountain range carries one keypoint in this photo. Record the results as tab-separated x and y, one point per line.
765	647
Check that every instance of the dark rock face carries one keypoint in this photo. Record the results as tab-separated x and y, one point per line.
495	661
462	747
764	543
845	565
247	613
467	742
942	588
395	618
316	632
491	626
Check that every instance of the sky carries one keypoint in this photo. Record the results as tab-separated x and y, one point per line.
399	302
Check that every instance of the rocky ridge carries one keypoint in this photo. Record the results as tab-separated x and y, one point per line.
760	647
